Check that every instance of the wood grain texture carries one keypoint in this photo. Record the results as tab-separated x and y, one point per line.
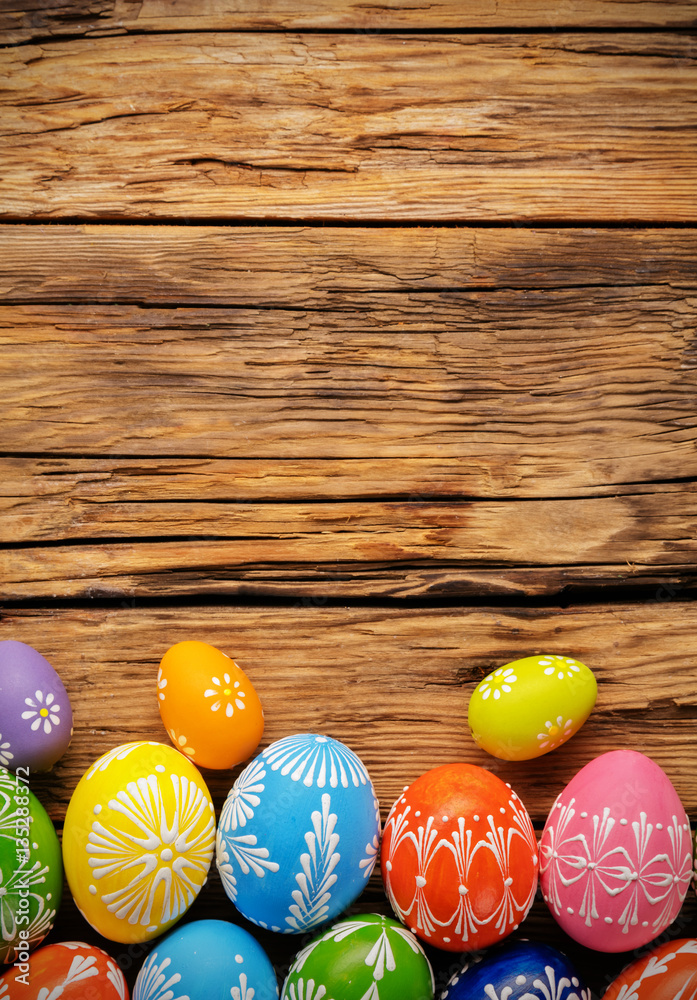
586	386
400	682
20	21
334	127
353	549
324	267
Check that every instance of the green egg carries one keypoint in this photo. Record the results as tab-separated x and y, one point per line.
531	706
366	956
31	869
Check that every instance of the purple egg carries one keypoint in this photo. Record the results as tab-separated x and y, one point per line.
36	720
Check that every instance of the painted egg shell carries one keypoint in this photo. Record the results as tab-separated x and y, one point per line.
70	970
527	708
31	871
36	720
515	970
669	972
459	858
207	959
366	956
208	705
298	834
616	853
138	840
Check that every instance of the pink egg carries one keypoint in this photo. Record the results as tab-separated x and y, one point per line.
616	853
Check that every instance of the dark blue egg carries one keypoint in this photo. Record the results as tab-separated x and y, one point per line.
521	969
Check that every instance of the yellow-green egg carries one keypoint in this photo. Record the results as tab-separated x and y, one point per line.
528	707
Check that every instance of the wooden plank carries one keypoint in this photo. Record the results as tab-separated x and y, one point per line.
589	386
349	549
21	21
323	267
38	493
567	127
404	679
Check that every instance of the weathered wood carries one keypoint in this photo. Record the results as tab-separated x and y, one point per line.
394	685
579	385
20	21
334	127
344	549
323	267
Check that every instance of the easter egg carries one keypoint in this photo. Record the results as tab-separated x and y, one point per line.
208	705
366	956
459	858
616	853
31	872
530	706
517	970
70	970
204	960
138	840
669	972
36	720
298	834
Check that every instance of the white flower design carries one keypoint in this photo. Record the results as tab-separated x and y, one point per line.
225	869
553	990
243	798
44	711
81	968
562	666
316	760
5	755
317	876
226	692
154	982
180	743
242	992
555	733
117	979
117	753
496	682
23	879
371	854
306	991
168	860
161	684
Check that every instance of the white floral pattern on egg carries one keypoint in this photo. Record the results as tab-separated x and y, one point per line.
528	707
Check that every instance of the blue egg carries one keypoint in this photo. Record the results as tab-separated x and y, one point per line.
516	970
207	960
298	834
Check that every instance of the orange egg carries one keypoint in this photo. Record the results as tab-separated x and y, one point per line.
208	705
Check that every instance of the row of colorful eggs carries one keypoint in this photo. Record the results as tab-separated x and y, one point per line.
365	957
299	835
461	838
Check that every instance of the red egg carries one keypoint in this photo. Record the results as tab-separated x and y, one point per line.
70	970
666	973
459	858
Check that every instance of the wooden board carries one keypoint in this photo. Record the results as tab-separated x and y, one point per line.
340	127
21	21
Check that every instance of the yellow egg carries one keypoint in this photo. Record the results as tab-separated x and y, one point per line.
138	840
528	707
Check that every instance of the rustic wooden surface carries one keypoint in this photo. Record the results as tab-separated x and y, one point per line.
360	342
